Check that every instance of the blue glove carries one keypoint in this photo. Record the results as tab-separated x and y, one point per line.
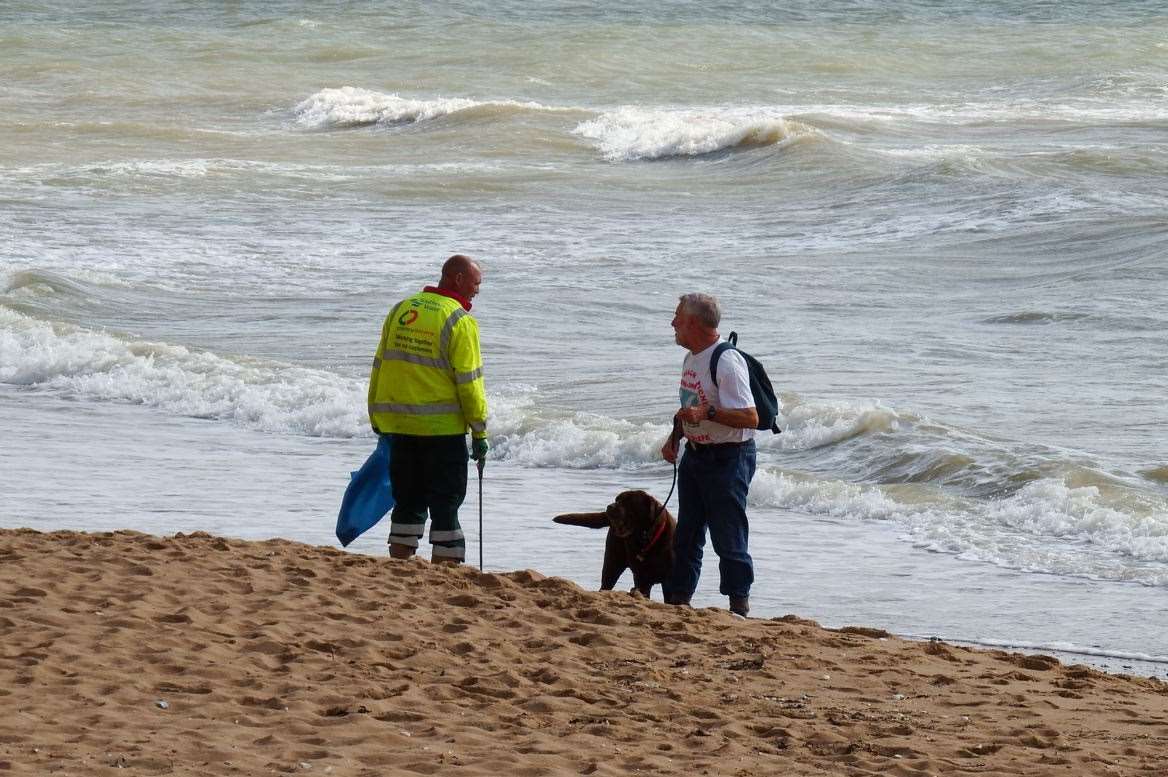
478	449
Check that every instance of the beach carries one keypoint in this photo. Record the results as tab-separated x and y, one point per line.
191	654
941	227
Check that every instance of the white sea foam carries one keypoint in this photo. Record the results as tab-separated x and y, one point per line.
523	432
89	365
271	396
531	435
170	168
816	424
39	283
236	168
350	106
638	133
980	112
824	496
1053	524
1051	508
1062	647
1045	527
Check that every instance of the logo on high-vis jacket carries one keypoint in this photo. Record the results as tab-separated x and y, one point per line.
407	318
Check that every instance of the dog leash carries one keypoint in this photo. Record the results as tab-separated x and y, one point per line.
660	524
672	486
676	435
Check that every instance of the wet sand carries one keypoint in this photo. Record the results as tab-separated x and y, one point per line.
127	653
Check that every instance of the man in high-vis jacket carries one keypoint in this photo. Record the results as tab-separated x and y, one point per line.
426	389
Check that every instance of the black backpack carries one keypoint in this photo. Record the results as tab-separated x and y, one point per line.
760	385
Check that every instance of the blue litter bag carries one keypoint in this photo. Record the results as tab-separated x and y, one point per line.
368	497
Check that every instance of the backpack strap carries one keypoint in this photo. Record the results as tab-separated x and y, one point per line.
732	342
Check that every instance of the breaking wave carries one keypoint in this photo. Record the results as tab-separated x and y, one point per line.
83	364
350	106
637	133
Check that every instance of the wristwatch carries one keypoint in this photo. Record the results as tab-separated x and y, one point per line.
710	412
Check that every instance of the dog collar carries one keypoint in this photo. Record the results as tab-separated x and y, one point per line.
661	521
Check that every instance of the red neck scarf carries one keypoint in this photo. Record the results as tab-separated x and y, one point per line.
461	300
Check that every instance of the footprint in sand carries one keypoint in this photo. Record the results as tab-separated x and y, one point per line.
590	639
464	600
173	617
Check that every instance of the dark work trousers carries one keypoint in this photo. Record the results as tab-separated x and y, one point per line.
428	474
712	483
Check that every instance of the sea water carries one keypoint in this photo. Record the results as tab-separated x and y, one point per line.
942	226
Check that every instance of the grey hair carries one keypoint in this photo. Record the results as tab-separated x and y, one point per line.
703	307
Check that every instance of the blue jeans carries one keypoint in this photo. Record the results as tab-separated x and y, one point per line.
712	483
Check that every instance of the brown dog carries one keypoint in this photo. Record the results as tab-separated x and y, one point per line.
640	537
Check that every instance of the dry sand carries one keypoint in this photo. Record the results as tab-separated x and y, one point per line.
131	654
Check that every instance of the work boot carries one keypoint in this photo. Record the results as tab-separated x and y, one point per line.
740	605
679	599
400	551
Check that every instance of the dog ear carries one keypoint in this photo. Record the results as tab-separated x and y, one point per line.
638	503
650	508
590	520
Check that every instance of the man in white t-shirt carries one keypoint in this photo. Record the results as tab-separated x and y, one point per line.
718	421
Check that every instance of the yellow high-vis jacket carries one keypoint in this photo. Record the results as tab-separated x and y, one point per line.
427	377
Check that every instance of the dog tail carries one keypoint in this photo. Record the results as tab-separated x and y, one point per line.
591	520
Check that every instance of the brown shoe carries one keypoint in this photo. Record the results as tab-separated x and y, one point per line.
740	605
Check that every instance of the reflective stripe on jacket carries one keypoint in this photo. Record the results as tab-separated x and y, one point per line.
427	376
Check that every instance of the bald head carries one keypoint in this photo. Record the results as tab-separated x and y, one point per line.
462	275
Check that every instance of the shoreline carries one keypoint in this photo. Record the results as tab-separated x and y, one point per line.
836	570
197	654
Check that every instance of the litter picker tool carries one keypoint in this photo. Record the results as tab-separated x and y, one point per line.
481	462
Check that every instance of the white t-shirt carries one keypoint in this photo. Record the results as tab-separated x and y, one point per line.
732	392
